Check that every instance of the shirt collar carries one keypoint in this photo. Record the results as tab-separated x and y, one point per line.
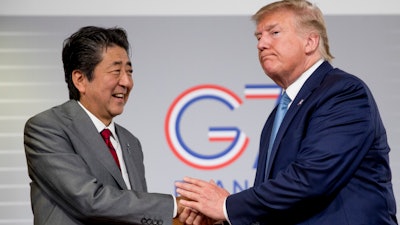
97	123
294	88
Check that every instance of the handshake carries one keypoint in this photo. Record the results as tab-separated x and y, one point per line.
200	202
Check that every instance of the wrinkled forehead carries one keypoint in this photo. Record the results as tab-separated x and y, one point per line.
282	18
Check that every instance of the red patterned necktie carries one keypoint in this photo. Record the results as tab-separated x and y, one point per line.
106	133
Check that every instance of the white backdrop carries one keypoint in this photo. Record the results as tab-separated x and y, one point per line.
182	7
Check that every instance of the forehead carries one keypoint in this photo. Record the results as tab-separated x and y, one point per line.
113	54
281	18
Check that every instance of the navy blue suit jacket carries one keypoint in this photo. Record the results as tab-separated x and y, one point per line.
330	163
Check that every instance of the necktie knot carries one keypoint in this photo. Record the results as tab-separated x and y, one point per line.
106	133
280	113
284	101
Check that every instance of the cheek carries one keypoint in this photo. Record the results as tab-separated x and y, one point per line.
290	52
296	47
130	86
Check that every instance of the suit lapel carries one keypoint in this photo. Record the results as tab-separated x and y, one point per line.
264	142
94	144
308	87
126	152
130	158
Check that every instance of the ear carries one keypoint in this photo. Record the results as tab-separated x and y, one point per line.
312	43
79	79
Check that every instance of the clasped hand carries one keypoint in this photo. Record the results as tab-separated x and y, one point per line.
200	202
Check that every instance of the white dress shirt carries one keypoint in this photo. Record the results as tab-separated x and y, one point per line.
114	141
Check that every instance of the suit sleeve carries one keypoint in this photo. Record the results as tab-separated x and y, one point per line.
326	143
61	176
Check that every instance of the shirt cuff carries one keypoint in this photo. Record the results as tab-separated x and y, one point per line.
175	207
226	212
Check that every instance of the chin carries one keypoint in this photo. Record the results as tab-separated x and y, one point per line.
117	112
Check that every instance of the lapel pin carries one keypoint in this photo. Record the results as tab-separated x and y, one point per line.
300	102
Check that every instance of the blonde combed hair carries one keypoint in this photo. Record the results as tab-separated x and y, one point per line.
308	18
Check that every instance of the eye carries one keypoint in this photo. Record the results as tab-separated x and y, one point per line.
129	72
258	35
275	33
116	72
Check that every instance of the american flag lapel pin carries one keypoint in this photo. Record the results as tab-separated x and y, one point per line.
300	102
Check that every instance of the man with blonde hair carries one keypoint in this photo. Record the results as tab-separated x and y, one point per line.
326	161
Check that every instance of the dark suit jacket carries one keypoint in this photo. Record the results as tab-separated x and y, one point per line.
330	163
75	179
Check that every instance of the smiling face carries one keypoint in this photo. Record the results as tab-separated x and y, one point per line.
107	93
281	47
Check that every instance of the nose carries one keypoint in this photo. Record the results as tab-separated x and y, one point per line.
262	43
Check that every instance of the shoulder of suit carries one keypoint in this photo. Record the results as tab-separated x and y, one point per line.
123	131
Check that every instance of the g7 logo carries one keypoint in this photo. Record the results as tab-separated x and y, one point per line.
237	138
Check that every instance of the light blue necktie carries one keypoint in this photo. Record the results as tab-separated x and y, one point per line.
280	113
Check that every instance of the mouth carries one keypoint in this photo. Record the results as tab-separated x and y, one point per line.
119	95
266	57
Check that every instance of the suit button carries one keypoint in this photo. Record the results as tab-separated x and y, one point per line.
147	221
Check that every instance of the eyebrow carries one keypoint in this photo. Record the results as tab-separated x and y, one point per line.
119	63
267	28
